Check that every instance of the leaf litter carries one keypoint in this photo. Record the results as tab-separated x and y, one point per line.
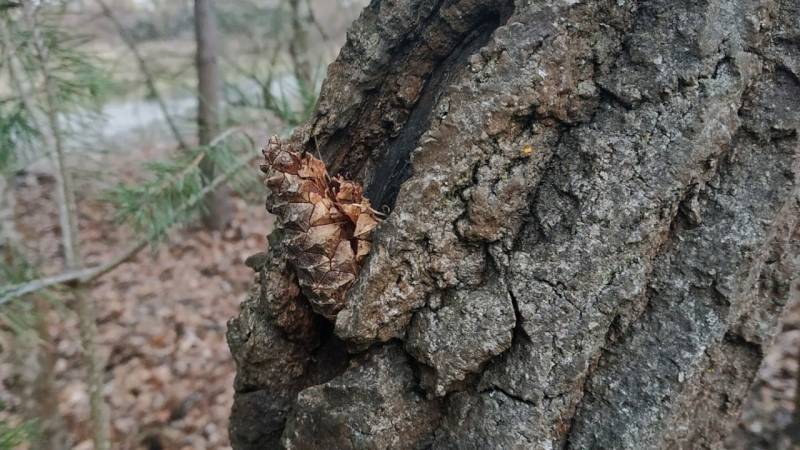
161	320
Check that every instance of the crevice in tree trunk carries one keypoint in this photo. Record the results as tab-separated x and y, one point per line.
395	167
376	143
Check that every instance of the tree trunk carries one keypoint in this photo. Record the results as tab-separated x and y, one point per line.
218	206
593	229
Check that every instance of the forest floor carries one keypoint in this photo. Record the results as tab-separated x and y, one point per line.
162	318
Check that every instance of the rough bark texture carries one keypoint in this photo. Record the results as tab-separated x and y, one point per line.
593	229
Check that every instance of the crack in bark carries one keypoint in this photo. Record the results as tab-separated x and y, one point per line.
395	167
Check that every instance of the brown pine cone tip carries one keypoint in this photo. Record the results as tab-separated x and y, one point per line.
328	224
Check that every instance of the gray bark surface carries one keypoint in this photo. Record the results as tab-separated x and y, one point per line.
593	229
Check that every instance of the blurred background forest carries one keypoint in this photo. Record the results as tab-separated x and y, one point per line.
130	198
112	177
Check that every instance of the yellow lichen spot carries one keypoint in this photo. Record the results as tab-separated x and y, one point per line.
526	151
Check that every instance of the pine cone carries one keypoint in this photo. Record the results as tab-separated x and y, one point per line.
327	223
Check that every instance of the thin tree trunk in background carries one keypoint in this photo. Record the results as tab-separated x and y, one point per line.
590	249
68	214
35	355
218	206
145	70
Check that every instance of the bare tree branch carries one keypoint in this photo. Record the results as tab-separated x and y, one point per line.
264	85
145	70
88	275
313	19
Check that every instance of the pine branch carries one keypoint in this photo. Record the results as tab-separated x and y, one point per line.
154	205
6	5
88	275
199	158
18	81
69	230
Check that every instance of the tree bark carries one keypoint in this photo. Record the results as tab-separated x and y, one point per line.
593	229
218	205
